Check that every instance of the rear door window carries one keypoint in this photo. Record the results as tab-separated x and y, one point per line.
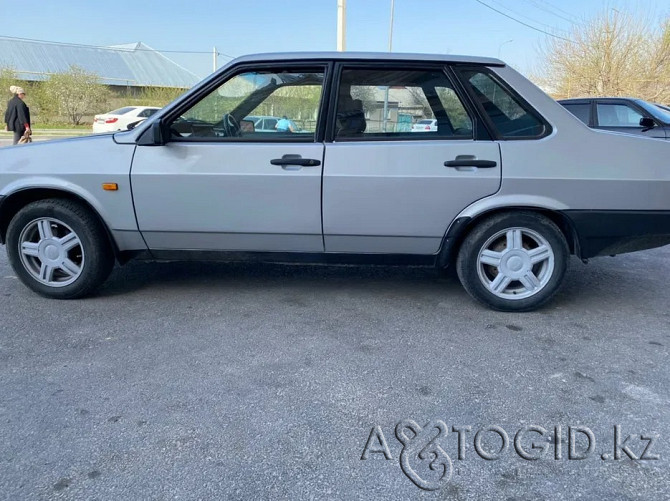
384	103
580	110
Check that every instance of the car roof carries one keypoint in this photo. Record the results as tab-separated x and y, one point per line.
367	56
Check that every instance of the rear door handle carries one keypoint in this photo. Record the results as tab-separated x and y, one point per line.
295	160
469	161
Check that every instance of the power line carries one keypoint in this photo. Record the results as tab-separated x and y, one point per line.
549	10
557	8
118	49
503	6
521	22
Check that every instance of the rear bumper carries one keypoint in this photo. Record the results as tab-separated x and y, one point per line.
603	233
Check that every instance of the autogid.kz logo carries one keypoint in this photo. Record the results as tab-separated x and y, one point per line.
424	458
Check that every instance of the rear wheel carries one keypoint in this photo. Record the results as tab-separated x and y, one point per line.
514	261
59	249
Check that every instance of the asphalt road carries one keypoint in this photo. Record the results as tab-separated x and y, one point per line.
240	381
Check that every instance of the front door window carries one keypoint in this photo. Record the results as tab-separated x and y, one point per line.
256	105
618	115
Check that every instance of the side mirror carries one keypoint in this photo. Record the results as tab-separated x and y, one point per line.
647	123
157	133
132	125
154	135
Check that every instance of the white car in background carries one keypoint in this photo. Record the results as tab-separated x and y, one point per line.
263	124
425	125
120	119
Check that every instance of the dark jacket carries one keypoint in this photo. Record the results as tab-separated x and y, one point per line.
17	115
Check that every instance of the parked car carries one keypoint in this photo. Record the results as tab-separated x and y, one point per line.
619	114
425	125
263	124
120	119
191	182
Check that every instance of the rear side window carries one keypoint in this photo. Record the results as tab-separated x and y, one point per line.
122	111
508	113
581	111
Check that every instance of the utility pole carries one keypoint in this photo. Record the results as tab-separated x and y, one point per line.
214	65
391	27
341	25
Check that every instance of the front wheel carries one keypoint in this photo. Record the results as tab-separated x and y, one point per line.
514	261
59	249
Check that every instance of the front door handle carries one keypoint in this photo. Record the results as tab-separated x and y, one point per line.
295	160
470	161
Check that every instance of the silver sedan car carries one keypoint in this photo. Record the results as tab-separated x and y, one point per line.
505	187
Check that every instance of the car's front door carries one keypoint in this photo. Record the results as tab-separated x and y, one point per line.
388	188
218	184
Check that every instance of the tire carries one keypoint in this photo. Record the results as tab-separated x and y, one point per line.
59	249
514	261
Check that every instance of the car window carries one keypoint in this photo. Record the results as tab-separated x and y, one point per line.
618	115
122	111
512	118
146	113
580	110
386	103
270	123
249	105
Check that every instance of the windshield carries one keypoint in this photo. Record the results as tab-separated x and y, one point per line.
656	112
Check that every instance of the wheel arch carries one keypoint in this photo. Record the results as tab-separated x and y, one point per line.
462	226
17	200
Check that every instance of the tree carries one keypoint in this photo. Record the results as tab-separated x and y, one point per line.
73	94
614	54
7	78
158	96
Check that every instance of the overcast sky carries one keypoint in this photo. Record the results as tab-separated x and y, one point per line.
238	27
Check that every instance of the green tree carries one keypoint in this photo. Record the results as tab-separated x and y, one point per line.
158	96
7	78
73	94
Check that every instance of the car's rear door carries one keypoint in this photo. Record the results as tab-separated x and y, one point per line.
220	185
387	189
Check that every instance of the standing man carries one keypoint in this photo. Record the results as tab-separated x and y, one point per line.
17	116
